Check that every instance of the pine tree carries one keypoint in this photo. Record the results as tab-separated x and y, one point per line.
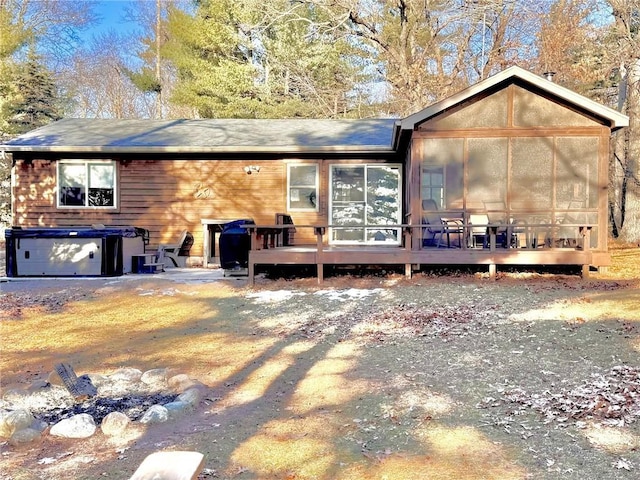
249	59
37	102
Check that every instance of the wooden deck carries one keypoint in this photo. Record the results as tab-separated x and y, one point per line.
264	252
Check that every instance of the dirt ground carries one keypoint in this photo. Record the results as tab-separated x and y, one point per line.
448	375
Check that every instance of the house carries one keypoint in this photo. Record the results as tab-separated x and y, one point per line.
510	171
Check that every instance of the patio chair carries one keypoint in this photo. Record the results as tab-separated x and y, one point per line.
506	232
568	237
176	252
284	238
478	229
436	225
565	236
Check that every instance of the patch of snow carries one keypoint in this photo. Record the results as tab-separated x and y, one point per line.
349	294
273	296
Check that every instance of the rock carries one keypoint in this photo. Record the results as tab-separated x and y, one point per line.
39	425
3	428
98	380
26	435
85	387
170	465
155	414
15	396
180	382
175	409
126	374
114	423
39	385
54	379
156	376
12	422
191	396
78	426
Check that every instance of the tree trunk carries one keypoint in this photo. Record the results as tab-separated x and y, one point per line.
630	227
159	100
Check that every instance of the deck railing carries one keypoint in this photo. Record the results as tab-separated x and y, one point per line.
452	234
572	249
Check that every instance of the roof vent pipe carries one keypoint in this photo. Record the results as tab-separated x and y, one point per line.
549	75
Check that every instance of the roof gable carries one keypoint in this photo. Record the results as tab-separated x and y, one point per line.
516	74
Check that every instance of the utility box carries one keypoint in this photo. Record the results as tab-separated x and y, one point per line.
72	251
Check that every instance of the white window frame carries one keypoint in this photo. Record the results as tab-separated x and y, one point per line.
315	186
87	164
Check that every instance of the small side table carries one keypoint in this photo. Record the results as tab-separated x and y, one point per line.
145	263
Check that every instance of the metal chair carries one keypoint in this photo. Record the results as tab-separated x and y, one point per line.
435	224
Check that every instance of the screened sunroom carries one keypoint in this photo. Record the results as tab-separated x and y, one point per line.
518	164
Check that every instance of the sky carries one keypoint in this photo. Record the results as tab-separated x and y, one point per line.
111	17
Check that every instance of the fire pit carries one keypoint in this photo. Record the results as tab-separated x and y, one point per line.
71	406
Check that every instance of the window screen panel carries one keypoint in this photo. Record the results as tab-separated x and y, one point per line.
532	173
442	177
577	173
383	199
348	184
487	170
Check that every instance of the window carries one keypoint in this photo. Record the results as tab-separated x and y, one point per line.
84	183
365	200
302	187
433	185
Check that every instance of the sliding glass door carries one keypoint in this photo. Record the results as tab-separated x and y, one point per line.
364	199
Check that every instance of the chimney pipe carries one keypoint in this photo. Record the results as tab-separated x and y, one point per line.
549	75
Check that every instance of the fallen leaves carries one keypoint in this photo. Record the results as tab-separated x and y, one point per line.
13	304
612	398
408	321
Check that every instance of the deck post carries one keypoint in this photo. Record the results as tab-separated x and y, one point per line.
586	245
206	245
250	272
407	234
493	230
492	270
250	265
319	244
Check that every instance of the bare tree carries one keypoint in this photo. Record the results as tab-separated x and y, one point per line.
53	24
425	50
96	85
625	175
568	45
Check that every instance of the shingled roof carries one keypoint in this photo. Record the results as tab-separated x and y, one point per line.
207	135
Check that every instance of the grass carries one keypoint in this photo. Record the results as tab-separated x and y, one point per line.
309	387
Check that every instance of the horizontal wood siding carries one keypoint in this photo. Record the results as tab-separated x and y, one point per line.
166	196
163	196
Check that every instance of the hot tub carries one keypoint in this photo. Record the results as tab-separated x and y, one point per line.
72	251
